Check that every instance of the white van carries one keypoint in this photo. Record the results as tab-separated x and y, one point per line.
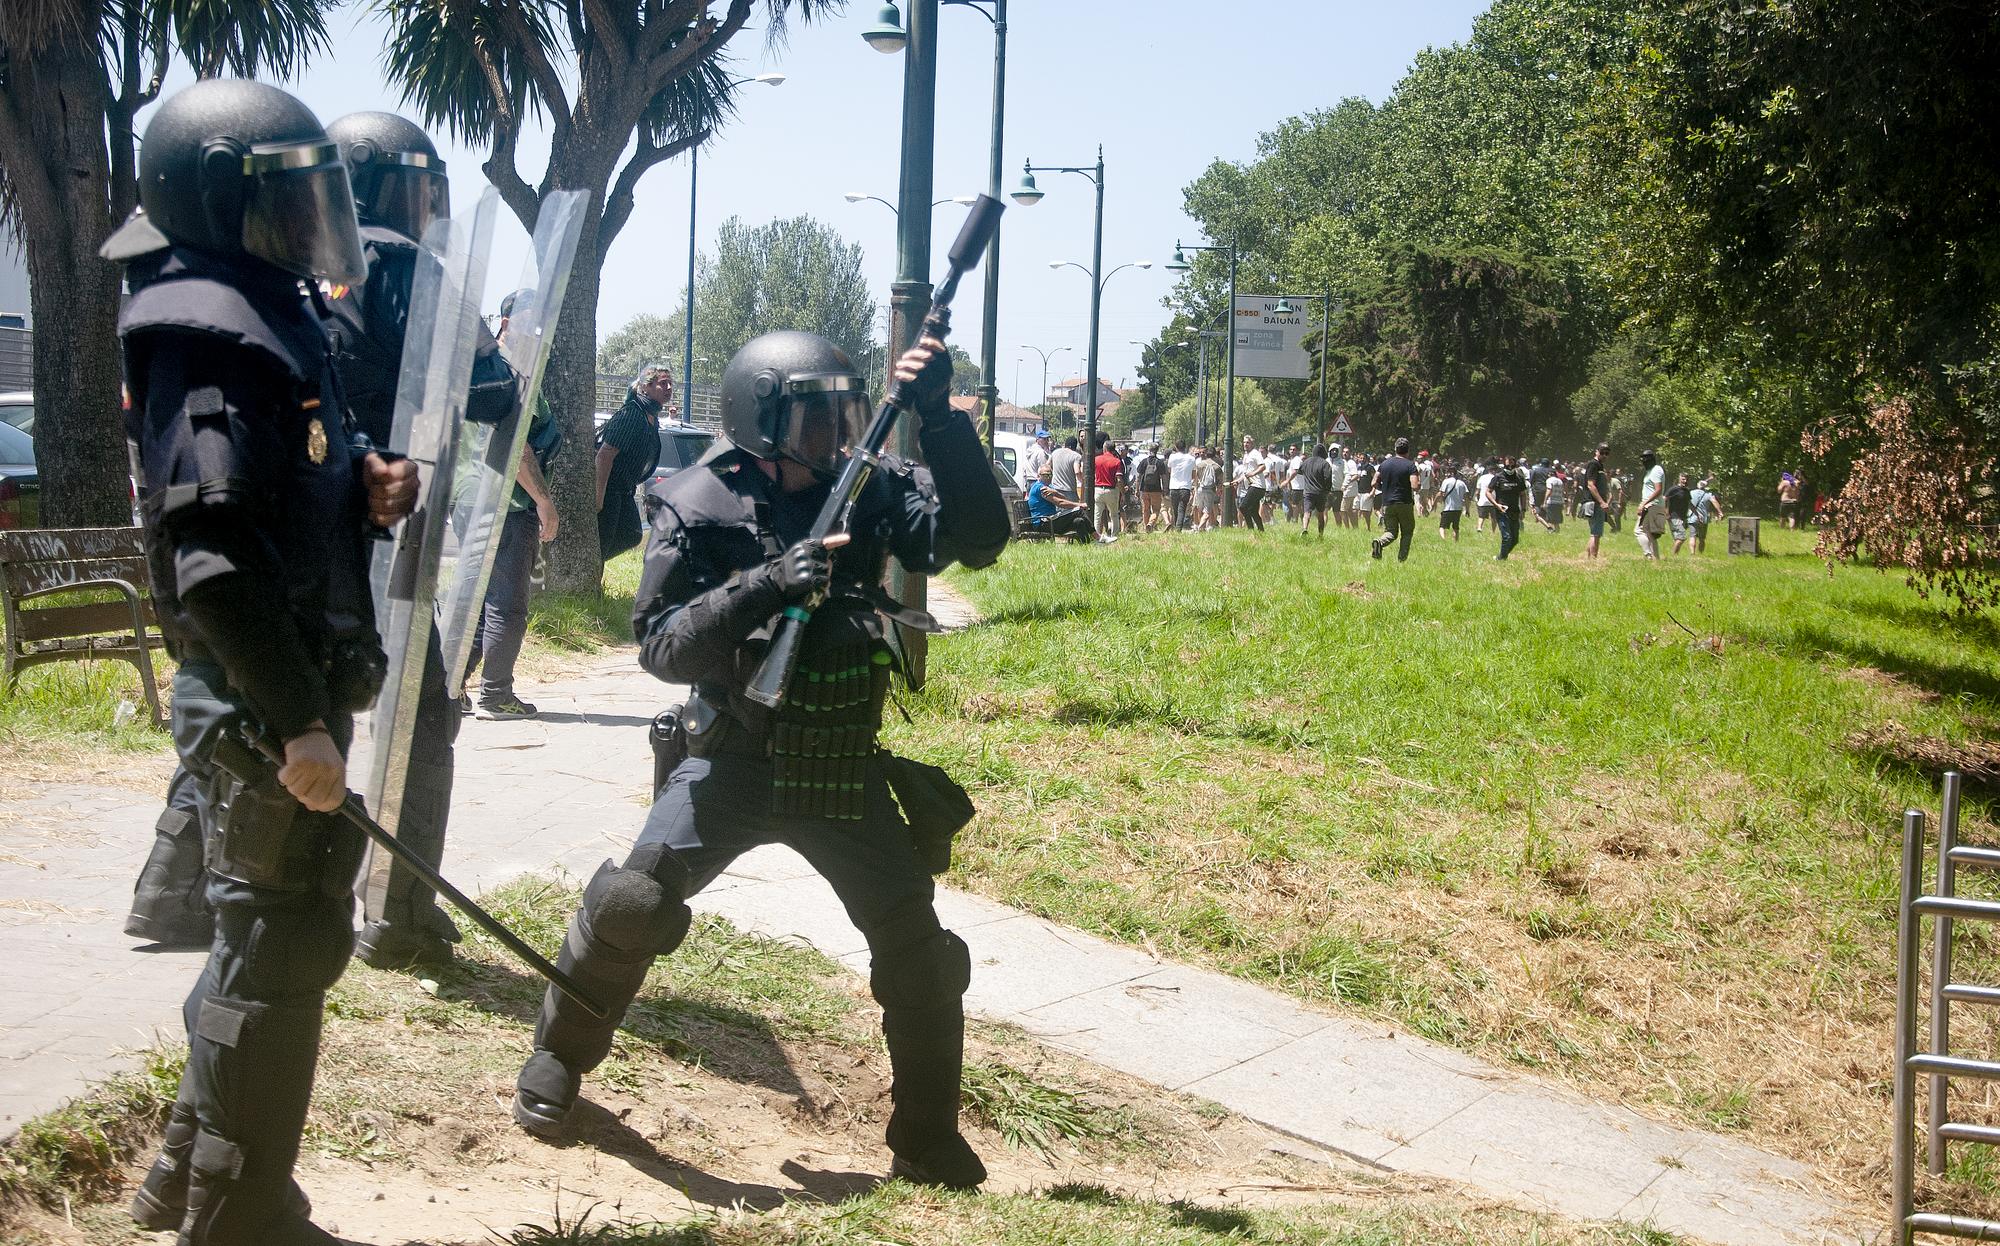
1010	454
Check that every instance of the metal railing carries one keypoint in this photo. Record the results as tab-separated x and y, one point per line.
1935	1063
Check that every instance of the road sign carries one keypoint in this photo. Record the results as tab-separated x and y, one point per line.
1342	427
1270	343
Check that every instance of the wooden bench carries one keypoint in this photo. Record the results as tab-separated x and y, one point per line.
47	561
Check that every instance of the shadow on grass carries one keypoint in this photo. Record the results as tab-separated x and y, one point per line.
1920	616
729	1042
1956	680
605	1131
1052	611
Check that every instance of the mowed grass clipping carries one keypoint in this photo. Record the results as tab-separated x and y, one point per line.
1516	806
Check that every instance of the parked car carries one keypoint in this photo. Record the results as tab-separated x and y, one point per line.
1010	451
20	483
17	410
681	445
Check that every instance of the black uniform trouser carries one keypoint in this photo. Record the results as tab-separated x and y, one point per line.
253	1018
1399	520
711	812
394	896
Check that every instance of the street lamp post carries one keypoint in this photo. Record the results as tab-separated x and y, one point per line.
694	182
1028	194
1179	264
887	35
1046	356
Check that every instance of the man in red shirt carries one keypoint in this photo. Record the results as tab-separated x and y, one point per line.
1110	475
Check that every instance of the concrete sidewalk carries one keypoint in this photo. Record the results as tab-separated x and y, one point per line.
569	789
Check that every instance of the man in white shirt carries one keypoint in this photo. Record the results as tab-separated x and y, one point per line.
1426	482
1180	484
1479	498
1652	520
1295	483
1336	501
1250	487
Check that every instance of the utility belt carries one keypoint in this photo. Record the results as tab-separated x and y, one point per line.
259	834
935	807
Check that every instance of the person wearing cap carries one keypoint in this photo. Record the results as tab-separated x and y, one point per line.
1036	456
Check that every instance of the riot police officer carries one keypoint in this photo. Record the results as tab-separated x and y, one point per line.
257	493
729	552
399	187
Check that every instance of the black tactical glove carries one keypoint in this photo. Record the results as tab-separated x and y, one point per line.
803	570
930	392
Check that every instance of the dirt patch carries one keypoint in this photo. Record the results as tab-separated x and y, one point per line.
1977	759
1890	685
411	1141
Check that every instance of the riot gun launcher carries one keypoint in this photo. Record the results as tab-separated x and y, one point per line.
774	675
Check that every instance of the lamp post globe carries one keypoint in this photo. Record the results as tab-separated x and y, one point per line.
887	34
1179	263
1026	193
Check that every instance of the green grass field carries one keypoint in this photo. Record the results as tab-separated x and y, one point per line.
1631	824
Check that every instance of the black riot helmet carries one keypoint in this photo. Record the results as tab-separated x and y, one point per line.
795	396
398	179
233	167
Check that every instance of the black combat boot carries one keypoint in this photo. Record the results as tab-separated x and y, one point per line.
169	902
926	1051
161	1203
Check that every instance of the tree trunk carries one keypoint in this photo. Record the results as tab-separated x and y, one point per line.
58	97
571	388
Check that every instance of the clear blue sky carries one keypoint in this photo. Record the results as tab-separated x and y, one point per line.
1165	87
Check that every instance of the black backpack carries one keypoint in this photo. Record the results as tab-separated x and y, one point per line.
1153	475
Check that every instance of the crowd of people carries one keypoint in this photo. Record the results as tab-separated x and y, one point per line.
1149	487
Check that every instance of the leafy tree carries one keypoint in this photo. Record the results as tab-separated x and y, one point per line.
965	371
623	85
1810	184
73	74
1058	416
1820	175
789	274
1453	347
645	339
1256	415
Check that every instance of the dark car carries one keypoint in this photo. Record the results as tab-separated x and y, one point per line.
20	484
681	445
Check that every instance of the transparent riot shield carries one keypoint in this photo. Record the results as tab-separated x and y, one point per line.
490	453
439	341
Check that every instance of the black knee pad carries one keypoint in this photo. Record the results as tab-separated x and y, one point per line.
635	912
294	950
932	970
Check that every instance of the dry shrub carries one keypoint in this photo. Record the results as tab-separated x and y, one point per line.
1916	498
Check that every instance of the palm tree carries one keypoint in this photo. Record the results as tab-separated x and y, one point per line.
602	73
73	74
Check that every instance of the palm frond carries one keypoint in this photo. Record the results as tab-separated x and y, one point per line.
691	102
778	14
434	57
244	37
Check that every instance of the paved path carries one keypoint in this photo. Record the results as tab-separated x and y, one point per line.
568	790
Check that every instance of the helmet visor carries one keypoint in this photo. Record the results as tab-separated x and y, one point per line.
409	193
824	415
300	212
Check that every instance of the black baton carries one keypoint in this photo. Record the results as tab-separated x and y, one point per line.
250	757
